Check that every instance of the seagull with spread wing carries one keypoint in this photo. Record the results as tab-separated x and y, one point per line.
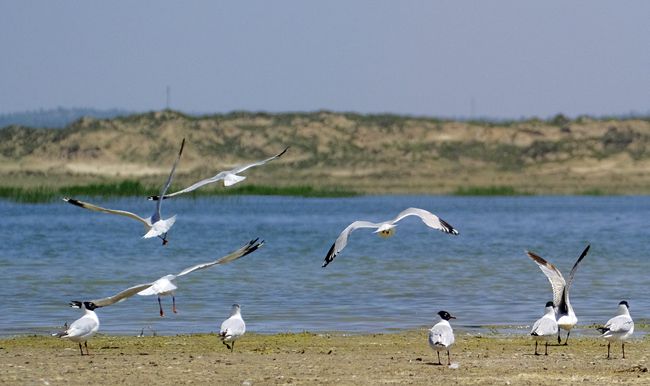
566	317
387	229
155	225
165	285
229	177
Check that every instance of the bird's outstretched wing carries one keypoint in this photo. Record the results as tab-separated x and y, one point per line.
430	219
575	266
229	177
118	297
342	240
252	246
165	187
96	208
554	277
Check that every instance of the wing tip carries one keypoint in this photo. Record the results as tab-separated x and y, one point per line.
330	256
448	228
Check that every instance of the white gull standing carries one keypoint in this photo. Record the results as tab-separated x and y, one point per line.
441	335
387	229
545	327
155	225
232	328
565	316
620	327
229	178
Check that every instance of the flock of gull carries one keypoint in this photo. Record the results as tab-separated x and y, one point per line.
559	313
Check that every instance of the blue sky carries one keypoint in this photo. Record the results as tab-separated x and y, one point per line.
500	59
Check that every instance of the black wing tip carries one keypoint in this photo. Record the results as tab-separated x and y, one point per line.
73	201
253	246
154	198
602	329
283	151
182	146
330	256
534	334
447	228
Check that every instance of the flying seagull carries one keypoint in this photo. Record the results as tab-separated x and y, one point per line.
566	317
620	327
441	336
165	285
387	229
545	327
85	327
229	178
155	225
232	328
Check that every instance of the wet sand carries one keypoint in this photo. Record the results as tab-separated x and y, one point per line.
399	358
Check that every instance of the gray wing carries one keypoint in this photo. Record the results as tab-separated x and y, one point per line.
164	188
195	186
554	277
544	327
575	267
342	240
252	246
246	167
121	296
430	219
441	335
96	208
232	326
79	327
620	324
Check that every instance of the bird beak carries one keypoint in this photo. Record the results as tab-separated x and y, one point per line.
452	317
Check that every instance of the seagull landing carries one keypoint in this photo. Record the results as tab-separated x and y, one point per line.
441	336
566	317
545	328
387	229
232	328
165	285
620	327
155	226
229	178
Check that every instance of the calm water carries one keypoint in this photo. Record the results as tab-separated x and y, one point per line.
54	253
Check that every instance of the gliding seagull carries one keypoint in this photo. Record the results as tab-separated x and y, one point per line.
165	285
229	178
619	327
565	316
154	225
387	229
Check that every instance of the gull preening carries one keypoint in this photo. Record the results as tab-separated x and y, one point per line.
232	328
165	285
620	327
441	335
565	316
387	229
155	225
83	328
545	327
229	178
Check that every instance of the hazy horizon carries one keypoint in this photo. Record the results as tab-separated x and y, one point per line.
469	59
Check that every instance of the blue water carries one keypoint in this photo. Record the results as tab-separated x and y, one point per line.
53	253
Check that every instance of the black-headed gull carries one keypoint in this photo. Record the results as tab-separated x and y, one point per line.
165	285
565	316
545	327
229	178
232	328
387	229
441	335
620	327
155	225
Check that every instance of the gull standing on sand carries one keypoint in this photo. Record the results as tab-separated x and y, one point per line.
620	327
565	316
441	336
155	225
165	285
229	178
85	327
545	328
387	229
232	328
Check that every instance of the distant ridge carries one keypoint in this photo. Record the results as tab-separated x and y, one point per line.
57	118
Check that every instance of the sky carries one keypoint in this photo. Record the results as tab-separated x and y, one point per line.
496	59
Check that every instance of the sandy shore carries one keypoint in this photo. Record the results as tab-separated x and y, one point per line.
399	358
